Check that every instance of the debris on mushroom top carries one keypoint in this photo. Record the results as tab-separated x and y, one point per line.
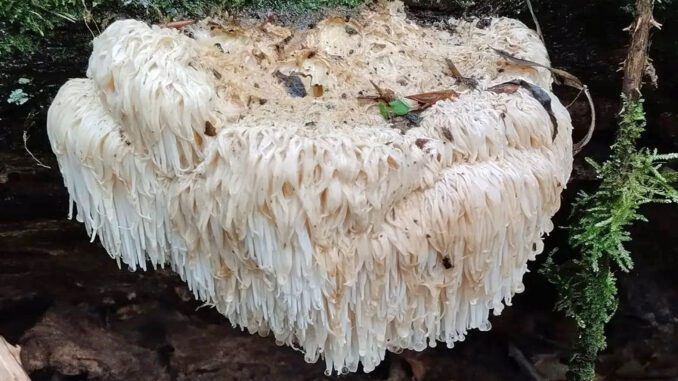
343	54
341	187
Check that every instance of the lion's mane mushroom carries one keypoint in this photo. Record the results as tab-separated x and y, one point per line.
307	215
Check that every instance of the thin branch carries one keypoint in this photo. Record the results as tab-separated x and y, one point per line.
534	18
577	147
40	163
526	366
581	91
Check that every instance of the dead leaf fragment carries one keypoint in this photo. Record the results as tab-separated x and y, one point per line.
209	129
421	142
567	78
432	97
505	88
317	90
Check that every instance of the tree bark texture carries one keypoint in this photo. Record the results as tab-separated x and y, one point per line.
636	59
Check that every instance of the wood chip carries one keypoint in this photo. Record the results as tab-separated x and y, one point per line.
317	90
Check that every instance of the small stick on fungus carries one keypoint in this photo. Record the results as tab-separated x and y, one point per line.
466	81
178	24
387	95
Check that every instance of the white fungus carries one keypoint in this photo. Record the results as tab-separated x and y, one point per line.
312	218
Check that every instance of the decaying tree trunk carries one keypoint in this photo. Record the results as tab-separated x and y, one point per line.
10	364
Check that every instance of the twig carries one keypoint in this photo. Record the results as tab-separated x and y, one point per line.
536	22
577	147
525	365
40	163
387	95
87	14
466	81
178	24
576	98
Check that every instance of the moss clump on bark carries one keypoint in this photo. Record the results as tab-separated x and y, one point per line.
630	178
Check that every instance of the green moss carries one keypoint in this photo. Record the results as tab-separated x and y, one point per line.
26	24
630	178
23	23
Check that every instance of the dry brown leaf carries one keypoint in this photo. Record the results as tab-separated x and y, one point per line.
505	88
433	96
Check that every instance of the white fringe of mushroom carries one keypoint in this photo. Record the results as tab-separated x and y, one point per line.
311	217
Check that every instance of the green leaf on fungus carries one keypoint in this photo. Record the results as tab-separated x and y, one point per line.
385	111
399	107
